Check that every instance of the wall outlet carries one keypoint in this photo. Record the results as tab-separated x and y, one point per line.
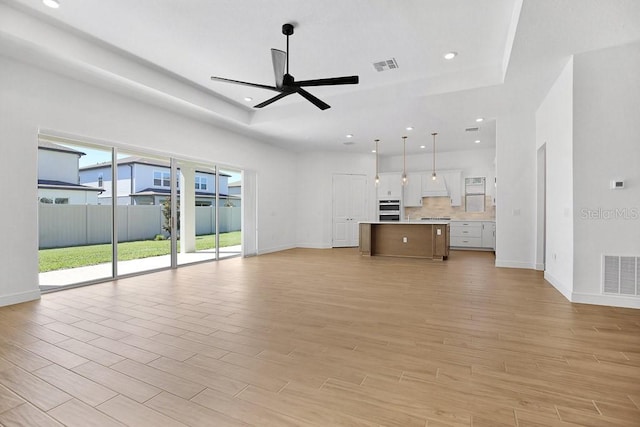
404	240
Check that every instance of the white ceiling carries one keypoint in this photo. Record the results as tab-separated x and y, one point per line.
508	53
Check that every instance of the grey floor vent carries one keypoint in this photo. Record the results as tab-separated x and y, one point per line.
621	275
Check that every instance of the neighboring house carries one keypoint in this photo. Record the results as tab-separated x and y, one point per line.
235	192
58	178
145	181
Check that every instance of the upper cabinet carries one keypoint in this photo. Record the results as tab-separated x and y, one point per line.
413	190
390	186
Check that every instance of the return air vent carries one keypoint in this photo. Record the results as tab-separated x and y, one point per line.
621	275
472	129
389	64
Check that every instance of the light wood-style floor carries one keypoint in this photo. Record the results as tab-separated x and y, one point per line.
320	337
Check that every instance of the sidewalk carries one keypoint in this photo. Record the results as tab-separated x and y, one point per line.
57	278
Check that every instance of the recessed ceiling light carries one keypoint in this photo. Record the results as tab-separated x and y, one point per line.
477	141
423	146
479	119
409	128
248	98
450	55
53	4
349	135
373	151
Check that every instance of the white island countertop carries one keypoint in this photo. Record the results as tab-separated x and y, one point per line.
417	221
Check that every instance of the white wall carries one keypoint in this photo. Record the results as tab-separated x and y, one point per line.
34	98
472	163
606	146
515	192
315	193
554	127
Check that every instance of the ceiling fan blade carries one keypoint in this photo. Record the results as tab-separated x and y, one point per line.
271	100
332	81
279	59
238	82
315	101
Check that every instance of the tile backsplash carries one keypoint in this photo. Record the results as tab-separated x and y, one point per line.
441	207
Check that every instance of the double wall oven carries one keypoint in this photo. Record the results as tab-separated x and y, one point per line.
389	210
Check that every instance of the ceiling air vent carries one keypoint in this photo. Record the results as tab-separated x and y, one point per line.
472	129
389	64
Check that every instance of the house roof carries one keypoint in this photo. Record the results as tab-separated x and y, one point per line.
235	184
61	185
165	192
142	161
46	145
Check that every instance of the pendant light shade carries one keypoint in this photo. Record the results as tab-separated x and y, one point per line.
377	178
433	174
404	160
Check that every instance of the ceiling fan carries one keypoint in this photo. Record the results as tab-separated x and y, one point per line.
286	84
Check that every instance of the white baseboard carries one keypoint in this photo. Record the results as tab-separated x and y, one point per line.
514	264
561	287
313	246
19	297
263	251
610	300
540	266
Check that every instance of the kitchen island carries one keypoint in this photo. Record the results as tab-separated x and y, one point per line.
412	239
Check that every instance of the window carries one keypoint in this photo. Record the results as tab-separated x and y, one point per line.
100	183
56	201
161	179
201	183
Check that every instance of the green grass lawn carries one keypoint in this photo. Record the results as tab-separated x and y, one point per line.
81	256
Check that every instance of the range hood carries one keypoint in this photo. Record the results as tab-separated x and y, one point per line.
435	187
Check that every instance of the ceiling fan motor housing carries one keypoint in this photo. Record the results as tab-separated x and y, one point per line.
287	29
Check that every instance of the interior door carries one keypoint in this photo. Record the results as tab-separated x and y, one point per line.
349	207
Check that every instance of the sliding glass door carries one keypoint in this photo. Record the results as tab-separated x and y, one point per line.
209	212
230	213
160	212
75	218
143	213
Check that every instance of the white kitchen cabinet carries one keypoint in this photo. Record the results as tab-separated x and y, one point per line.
489	235
473	234
412	196
390	186
466	234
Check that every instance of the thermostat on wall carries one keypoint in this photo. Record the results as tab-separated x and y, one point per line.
617	184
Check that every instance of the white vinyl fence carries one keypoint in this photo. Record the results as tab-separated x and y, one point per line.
77	225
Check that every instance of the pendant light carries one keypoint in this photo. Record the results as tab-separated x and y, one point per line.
433	175
404	160
377	178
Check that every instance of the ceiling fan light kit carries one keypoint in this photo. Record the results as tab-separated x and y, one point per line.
286	84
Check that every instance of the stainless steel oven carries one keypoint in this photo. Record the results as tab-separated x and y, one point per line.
389	210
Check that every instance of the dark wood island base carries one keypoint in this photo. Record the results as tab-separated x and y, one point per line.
428	240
